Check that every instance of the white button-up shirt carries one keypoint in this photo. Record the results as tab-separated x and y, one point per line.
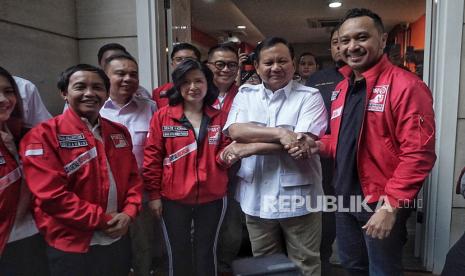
34	109
135	116
277	186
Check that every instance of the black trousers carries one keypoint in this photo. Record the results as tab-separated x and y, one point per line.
455	260
192	254
100	260
25	257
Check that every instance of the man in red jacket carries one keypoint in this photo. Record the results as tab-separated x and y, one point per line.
382	140
85	197
180	52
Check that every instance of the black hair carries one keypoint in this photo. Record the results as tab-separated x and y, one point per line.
63	79
15	122
108	47
270	42
185	46
178	76
333	30
307	54
120	56
223	47
353	13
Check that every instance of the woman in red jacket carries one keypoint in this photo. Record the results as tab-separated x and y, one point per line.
22	249
184	172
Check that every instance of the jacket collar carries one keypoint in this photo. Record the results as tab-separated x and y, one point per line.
177	111
74	120
374	71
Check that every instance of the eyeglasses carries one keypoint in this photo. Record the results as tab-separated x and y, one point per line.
181	59
221	64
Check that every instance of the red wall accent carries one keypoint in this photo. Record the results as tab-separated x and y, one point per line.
417	39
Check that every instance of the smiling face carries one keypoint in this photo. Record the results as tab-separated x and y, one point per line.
194	87
224	65
86	94
7	99
275	66
124	79
361	43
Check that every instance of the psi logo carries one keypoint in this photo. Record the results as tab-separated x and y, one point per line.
378	98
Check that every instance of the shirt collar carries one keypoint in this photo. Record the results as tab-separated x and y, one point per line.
267	93
111	104
93	129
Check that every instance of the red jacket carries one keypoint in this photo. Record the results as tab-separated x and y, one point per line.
66	170
176	167
228	99
395	151
161	91
10	184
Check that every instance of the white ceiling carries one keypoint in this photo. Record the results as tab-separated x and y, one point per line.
288	18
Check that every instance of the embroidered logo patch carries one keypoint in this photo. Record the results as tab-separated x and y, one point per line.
119	140
175	131
2	159
378	98
214	133
336	112
34	149
72	140
334	94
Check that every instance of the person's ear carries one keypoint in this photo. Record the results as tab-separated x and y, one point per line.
64	95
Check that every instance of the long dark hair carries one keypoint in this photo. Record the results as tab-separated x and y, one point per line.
178	76
16	121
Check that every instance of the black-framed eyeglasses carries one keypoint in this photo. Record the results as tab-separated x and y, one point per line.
220	65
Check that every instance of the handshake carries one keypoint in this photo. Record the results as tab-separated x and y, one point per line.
298	145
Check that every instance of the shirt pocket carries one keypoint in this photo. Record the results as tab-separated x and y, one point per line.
293	179
247	169
139	134
287	120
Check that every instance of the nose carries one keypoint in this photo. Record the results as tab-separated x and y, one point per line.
192	86
89	92
2	97
275	66
353	45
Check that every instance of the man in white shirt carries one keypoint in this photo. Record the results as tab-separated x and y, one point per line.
135	113
34	109
111	49
279	180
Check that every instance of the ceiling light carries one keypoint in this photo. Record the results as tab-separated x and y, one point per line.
241	27
335	4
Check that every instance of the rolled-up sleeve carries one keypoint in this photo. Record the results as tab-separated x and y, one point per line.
313	117
238	112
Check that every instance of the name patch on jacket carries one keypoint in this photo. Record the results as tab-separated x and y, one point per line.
378	98
336	112
334	94
214	133
119	140
72	140
175	131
